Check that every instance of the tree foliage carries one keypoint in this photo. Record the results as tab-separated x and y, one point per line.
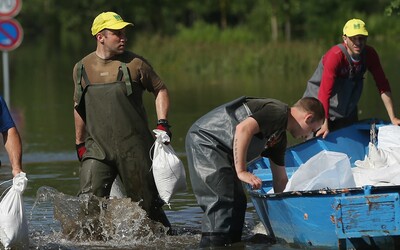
67	23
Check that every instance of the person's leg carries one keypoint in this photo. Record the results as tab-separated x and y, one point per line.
96	178
214	184
239	212
139	185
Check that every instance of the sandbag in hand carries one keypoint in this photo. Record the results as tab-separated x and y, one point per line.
13	222
168	170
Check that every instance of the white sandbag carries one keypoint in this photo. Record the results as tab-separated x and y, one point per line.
13	223
327	169
375	158
168	170
380	167
388	136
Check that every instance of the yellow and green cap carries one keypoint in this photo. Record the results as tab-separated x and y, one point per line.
108	20
355	27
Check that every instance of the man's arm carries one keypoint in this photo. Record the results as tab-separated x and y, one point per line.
332	61
13	145
387	101
162	103
241	141
279	177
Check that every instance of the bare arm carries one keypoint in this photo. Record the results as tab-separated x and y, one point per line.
79	128
162	103
13	145
279	177
387	101
241	141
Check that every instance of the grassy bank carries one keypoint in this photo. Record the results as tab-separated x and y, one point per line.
219	60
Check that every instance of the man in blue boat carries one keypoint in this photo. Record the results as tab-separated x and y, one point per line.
111	127
219	144
338	79
11	138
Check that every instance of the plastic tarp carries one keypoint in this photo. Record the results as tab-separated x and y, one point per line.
327	169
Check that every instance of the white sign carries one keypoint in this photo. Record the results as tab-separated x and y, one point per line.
9	8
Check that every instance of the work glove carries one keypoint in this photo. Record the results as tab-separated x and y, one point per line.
80	150
162	124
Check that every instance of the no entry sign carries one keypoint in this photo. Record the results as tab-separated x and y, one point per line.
9	8
10	34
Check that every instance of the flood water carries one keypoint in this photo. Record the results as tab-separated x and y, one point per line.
41	103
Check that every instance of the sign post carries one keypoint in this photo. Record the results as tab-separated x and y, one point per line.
10	37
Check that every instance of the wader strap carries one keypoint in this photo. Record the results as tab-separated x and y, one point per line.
246	107
80	72
127	79
78	87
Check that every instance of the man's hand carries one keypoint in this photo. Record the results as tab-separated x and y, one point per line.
251	179
162	124
324	130
15	172
80	150
395	121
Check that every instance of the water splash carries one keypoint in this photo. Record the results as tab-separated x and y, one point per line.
99	223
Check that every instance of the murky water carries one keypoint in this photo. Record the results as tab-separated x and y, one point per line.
56	220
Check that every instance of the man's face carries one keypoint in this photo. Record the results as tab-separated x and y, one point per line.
306	128
114	40
356	44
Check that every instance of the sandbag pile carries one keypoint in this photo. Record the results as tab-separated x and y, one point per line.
381	166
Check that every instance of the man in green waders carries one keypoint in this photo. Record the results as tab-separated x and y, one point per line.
111	127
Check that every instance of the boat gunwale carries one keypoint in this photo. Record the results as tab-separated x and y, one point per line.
327	191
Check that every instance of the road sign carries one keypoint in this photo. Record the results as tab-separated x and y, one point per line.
9	8
10	34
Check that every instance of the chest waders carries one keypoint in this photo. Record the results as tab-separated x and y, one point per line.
118	141
218	190
346	92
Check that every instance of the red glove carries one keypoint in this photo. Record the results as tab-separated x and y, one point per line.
162	124
80	150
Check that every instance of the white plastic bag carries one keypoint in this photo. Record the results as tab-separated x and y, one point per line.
168	170
327	169
13	223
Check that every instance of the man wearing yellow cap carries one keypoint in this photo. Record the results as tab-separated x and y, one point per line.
338	79
111	127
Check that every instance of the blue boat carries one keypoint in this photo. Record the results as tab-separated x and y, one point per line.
365	217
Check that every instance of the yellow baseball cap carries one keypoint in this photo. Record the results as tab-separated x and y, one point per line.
108	20
355	27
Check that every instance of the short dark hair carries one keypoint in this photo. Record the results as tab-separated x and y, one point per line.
312	105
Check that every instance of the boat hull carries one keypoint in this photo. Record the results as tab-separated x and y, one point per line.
350	218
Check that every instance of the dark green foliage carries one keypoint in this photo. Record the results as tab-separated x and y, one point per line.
67	23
